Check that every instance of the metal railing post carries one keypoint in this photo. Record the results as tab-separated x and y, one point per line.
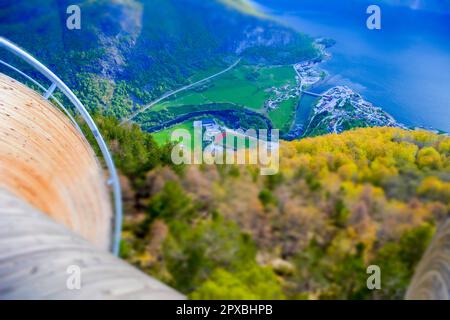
49	92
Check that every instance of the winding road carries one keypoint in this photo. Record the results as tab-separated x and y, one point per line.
171	93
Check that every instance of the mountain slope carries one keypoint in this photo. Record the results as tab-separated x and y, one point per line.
130	51
340	203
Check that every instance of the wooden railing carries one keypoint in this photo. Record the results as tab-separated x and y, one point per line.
432	277
57	83
42	259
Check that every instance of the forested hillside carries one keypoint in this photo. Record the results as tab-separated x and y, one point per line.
128	52
339	204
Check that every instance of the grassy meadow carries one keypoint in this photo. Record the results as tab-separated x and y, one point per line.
245	87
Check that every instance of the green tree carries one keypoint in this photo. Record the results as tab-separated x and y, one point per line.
192	252
172	204
252	283
398	260
134	152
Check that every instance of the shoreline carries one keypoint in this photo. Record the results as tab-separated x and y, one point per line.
388	105
298	130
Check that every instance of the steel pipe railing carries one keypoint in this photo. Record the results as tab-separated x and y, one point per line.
56	82
40	86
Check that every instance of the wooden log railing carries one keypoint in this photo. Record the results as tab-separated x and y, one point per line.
38	257
432	277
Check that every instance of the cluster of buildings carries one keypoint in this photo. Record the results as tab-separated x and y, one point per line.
211	129
283	93
339	97
340	108
307	73
215	137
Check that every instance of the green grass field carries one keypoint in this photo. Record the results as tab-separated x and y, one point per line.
163	137
244	87
282	117
184	109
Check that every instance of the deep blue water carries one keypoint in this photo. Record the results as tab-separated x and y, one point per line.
403	68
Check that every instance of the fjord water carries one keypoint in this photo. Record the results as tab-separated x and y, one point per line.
403	68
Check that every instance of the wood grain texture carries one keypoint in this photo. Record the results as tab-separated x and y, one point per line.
432	277
35	253
47	162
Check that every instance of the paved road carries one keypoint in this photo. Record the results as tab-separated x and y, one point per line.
171	93
304	91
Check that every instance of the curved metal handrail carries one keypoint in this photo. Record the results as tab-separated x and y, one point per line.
58	83
40	86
